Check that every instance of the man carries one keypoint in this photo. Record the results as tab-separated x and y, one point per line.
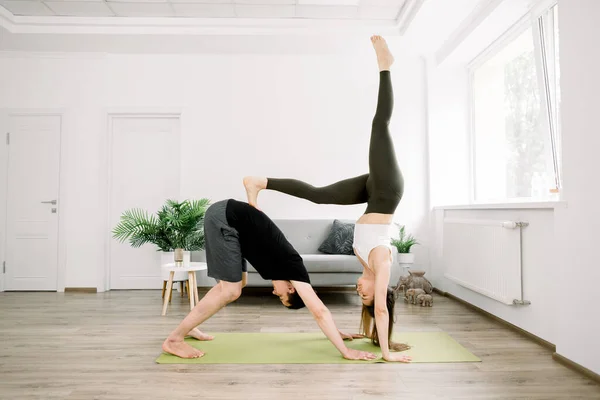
236	232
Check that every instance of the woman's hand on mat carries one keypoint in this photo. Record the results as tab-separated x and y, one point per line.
395	357
352	354
351	336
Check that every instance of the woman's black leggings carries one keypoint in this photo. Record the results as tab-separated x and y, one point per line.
381	188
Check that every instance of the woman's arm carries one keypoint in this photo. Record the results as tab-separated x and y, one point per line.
382	316
351	336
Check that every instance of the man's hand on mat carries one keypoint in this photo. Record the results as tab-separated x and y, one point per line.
395	357
351	336
352	354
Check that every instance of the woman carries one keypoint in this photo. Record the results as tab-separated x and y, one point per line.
381	189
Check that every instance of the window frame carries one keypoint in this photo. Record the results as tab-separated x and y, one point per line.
544	45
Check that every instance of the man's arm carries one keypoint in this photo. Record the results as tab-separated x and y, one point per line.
325	321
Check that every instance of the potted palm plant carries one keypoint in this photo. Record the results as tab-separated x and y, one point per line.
403	244
177	229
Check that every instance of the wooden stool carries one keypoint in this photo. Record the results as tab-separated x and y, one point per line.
184	289
191	269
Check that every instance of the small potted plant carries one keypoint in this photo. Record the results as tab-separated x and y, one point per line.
403	244
177	229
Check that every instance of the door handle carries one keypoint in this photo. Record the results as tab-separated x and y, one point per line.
49	202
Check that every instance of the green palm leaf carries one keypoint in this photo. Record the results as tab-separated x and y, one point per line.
404	242
175	225
134	222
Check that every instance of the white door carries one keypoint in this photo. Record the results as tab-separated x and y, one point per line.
33	150
144	174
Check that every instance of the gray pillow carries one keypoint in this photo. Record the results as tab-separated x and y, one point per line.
339	240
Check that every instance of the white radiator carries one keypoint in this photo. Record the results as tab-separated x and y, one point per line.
485	256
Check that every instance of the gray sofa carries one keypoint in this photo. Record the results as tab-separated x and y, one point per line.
306	235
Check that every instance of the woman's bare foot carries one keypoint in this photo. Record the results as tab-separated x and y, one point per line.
199	335
254	185
181	349
385	59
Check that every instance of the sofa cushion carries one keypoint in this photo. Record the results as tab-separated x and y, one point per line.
323	263
331	263
339	240
306	235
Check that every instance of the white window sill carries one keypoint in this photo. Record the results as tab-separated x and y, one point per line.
506	206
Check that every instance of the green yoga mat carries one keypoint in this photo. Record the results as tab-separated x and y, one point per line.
314	348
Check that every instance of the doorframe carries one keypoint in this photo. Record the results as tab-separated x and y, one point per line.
103	277
62	237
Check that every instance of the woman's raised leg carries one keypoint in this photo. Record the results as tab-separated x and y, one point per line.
346	192
384	171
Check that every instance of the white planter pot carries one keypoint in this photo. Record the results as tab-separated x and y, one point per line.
169	258
406	258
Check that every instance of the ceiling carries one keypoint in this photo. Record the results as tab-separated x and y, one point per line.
220	26
276	9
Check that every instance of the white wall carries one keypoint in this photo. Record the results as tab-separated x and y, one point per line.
539	277
559	246
577	227
76	86
448	116
304	116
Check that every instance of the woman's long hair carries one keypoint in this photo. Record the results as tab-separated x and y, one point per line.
369	328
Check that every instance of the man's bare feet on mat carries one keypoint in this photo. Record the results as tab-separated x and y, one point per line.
199	335
181	349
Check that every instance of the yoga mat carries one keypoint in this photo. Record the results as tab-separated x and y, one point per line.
314	348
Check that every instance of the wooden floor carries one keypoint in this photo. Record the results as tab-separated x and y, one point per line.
103	346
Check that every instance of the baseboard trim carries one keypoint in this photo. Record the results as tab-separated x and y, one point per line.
531	336
576	367
81	290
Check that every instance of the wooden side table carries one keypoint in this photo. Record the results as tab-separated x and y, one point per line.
191	269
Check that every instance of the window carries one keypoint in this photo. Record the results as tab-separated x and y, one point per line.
515	115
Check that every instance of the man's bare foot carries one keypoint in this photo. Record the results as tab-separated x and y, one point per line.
181	349
199	335
254	185
385	59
